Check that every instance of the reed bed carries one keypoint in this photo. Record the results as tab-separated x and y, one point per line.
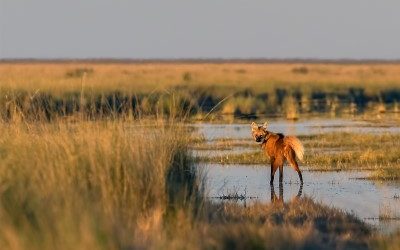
92	185
203	90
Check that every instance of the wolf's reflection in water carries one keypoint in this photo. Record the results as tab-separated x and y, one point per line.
279	199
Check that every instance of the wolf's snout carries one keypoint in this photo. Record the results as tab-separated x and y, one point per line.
258	138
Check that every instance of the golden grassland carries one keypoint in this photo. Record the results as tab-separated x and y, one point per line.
124	184
147	77
239	89
71	181
91	185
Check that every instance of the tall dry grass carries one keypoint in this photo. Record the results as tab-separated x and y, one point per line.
92	185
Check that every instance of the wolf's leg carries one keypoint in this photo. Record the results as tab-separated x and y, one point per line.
274	167
291	157
273	174
279	164
278	161
300	191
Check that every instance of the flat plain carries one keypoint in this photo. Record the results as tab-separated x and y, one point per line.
108	155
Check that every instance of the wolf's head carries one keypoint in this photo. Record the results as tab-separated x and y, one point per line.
259	132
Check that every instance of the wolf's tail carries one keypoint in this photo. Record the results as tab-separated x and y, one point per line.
296	145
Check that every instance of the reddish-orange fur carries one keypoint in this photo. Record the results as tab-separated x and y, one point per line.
279	148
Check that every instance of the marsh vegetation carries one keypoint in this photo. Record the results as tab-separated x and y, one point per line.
205	91
326	152
100	156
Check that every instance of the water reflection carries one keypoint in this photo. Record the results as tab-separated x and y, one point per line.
279	199
343	190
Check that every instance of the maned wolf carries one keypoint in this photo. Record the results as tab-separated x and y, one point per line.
279	148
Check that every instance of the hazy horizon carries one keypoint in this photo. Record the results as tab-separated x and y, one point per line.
234	29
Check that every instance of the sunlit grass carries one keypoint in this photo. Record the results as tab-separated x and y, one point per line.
389	174
92	185
204	90
296	224
386	242
61	77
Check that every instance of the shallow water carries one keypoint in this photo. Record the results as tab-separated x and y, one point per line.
345	190
222	152
366	199
303	127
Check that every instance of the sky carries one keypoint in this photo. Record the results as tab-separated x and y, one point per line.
172	29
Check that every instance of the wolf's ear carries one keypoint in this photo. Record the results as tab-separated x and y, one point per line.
265	125
254	126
